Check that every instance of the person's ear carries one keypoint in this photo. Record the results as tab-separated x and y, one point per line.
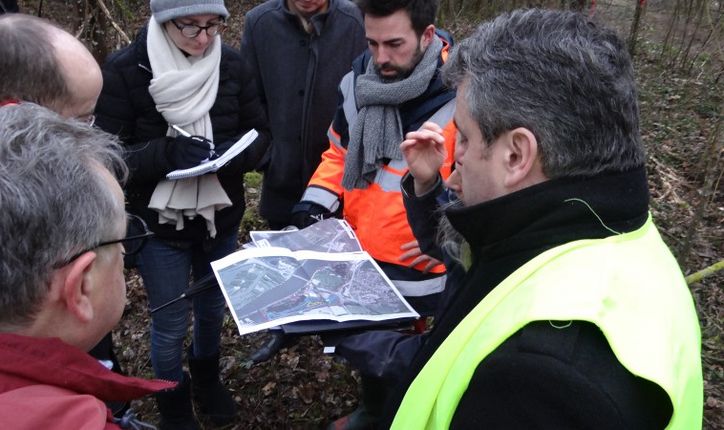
427	36
521	158
77	286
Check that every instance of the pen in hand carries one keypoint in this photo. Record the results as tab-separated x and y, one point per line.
181	131
185	133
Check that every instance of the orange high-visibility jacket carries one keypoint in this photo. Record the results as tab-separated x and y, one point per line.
377	213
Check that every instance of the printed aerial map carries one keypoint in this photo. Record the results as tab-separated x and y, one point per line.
329	235
267	286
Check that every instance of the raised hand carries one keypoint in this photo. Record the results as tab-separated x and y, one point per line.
424	152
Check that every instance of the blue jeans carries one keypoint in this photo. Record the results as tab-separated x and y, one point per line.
166	271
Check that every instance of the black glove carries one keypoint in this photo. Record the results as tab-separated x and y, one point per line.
222	147
184	152
305	214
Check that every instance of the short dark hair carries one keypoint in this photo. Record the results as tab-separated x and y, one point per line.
566	79
28	63
422	12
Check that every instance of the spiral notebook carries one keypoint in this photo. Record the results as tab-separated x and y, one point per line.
215	164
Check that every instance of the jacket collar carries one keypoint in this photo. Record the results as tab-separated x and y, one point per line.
28	361
554	212
317	20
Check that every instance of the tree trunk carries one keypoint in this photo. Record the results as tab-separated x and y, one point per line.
633	34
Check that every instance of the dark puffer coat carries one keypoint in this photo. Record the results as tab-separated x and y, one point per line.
126	108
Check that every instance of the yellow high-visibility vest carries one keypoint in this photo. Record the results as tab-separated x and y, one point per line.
629	285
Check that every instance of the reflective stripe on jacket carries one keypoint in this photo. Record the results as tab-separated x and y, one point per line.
377	213
628	285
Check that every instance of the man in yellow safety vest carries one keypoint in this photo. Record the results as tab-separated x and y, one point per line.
572	312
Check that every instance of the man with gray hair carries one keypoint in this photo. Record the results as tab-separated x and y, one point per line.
62	288
572	312
44	64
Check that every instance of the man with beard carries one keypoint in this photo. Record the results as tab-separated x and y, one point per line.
572	312
393	89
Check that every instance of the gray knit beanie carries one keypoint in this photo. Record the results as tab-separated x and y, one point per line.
166	10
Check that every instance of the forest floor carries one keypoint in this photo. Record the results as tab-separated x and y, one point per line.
300	387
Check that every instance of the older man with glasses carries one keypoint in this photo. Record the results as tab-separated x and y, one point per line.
62	288
43	64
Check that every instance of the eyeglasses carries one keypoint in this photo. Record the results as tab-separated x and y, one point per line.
193	30
89	119
137	235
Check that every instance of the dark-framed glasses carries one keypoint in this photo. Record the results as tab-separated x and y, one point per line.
193	30
137	234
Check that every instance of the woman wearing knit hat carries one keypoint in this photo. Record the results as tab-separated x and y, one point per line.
177	96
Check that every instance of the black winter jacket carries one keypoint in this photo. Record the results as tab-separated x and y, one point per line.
126	108
542	376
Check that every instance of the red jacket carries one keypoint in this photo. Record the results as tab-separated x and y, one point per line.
48	384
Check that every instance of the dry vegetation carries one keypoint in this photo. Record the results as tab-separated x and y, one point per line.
681	107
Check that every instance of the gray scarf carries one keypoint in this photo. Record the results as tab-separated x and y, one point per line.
377	133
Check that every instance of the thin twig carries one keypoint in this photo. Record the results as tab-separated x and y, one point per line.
105	10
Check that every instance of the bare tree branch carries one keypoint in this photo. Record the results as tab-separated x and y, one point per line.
115	25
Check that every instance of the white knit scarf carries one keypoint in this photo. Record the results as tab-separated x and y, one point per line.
184	90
